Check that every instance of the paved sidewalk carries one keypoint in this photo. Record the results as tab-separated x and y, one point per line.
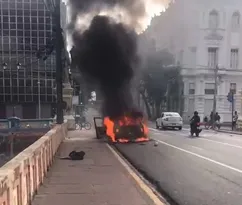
99	179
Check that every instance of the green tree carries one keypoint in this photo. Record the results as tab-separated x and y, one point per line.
160	83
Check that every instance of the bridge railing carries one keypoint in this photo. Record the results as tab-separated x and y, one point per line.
21	177
26	123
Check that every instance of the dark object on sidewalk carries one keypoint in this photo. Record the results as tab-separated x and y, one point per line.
74	155
156	144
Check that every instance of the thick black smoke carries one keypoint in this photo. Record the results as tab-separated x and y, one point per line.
107	54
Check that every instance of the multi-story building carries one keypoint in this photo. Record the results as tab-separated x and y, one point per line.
202	35
27	66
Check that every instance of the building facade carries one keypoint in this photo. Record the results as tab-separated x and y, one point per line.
27	63
202	35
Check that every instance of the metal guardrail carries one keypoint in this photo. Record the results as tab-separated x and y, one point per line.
6	124
17	134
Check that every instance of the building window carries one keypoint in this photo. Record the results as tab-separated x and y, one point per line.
234	58
235	21
213	19
191	88
212	57
209	89
233	87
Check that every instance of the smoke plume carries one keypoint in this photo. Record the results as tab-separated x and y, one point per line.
106	48
133	10
107	55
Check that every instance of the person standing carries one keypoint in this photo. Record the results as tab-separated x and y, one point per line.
234	120
217	120
211	120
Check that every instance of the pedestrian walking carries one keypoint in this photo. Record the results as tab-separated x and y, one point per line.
234	120
217	120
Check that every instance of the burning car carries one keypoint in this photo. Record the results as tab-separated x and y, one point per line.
123	129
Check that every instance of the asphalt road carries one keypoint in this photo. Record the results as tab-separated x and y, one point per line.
192	171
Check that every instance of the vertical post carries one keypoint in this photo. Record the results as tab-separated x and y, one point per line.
11	145
215	94
80	99
14	113
178	107
39	105
59	70
232	104
11	83
167	96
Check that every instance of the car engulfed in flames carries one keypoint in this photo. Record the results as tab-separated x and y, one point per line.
126	129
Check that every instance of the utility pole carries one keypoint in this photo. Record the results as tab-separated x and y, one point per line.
215	93
232	104
39	103
179	107
167	96
59	69
230	98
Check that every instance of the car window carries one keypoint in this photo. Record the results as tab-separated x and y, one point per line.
172	115
169	115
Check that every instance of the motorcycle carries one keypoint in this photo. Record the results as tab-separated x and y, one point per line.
195	129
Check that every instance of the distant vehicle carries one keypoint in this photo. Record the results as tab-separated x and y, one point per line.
169	120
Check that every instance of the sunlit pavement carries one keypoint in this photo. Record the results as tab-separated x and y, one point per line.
99	179
192	171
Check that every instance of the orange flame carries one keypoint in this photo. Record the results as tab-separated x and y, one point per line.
109	128
113	127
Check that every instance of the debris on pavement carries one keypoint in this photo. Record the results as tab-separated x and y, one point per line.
74	155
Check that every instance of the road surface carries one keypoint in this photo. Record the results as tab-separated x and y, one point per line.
192	171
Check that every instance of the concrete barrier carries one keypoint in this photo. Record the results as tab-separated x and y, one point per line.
21	177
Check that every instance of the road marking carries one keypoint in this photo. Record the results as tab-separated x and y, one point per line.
202	157
153	129
138	180
205	133
199	148
223	143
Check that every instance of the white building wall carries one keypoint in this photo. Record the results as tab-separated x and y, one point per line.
184	30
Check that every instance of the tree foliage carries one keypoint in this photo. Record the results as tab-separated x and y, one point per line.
159	78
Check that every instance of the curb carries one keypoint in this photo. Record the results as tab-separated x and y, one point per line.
143	184
230	132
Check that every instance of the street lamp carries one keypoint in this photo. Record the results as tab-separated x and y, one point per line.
18	65
55	9
5	65
39	105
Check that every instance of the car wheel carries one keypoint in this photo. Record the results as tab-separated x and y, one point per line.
180	128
